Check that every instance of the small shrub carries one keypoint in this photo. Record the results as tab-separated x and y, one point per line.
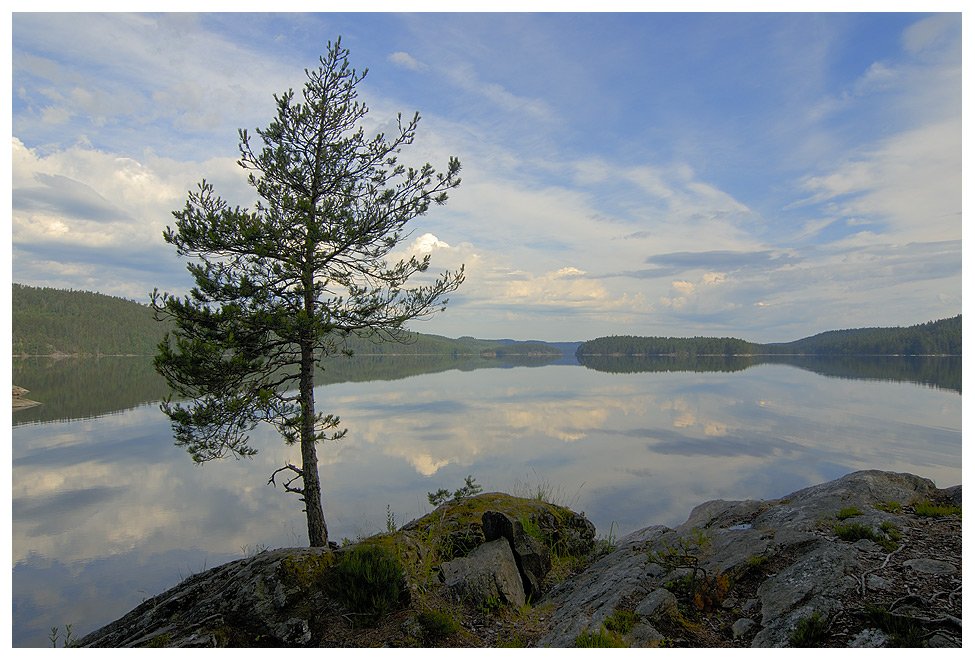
621	621
602	639
437	625
809	632
848	513
852	532
927	508
756	562
891	506
890	530
367	581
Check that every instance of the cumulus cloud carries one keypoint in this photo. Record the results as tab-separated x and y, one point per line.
427	243
406	61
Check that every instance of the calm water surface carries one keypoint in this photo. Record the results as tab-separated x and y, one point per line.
107	512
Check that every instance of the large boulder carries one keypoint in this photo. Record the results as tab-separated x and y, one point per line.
531	555
488	576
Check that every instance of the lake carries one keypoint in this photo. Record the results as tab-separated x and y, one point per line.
107	512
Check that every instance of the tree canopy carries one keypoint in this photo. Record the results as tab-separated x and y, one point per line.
281	287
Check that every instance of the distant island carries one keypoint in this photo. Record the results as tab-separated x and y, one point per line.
48	321
934	338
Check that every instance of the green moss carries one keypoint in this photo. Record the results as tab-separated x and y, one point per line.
621	621
305	570
162	640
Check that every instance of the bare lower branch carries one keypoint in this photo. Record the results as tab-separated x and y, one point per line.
298	474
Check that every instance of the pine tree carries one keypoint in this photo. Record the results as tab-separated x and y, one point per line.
278	288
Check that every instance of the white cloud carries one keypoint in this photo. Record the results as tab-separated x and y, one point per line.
911	183
427	243
406	61
463	76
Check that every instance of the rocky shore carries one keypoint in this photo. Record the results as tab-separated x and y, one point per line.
21	402
872	559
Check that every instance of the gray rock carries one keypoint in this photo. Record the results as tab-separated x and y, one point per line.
870	638
742	627
583	602
657	604
257	594
642	635
952	495
488	575
824	571
941	639
929	566
531	555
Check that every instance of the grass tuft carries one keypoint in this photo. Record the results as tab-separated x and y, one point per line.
810	632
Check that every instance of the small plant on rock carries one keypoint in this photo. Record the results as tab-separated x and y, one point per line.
602	639
904	631
437	625
698	588
848	513
851	532
810	631
621	621
367	580
441	496
891	507
927	508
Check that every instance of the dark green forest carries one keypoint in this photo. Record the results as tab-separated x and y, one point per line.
935	338
50	321
683	347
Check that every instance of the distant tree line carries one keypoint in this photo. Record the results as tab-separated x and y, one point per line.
682	347
941	337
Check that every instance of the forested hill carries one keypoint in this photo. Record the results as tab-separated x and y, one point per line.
941	337
50	321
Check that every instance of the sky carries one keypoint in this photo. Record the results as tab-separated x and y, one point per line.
762	176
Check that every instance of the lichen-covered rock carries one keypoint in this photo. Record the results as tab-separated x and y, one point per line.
584	602
275	595
815	572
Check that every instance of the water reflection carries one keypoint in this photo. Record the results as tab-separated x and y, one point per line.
107	512
935	371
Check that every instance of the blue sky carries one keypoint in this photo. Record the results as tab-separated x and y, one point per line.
766	176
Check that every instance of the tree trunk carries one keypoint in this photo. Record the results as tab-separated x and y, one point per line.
317	530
